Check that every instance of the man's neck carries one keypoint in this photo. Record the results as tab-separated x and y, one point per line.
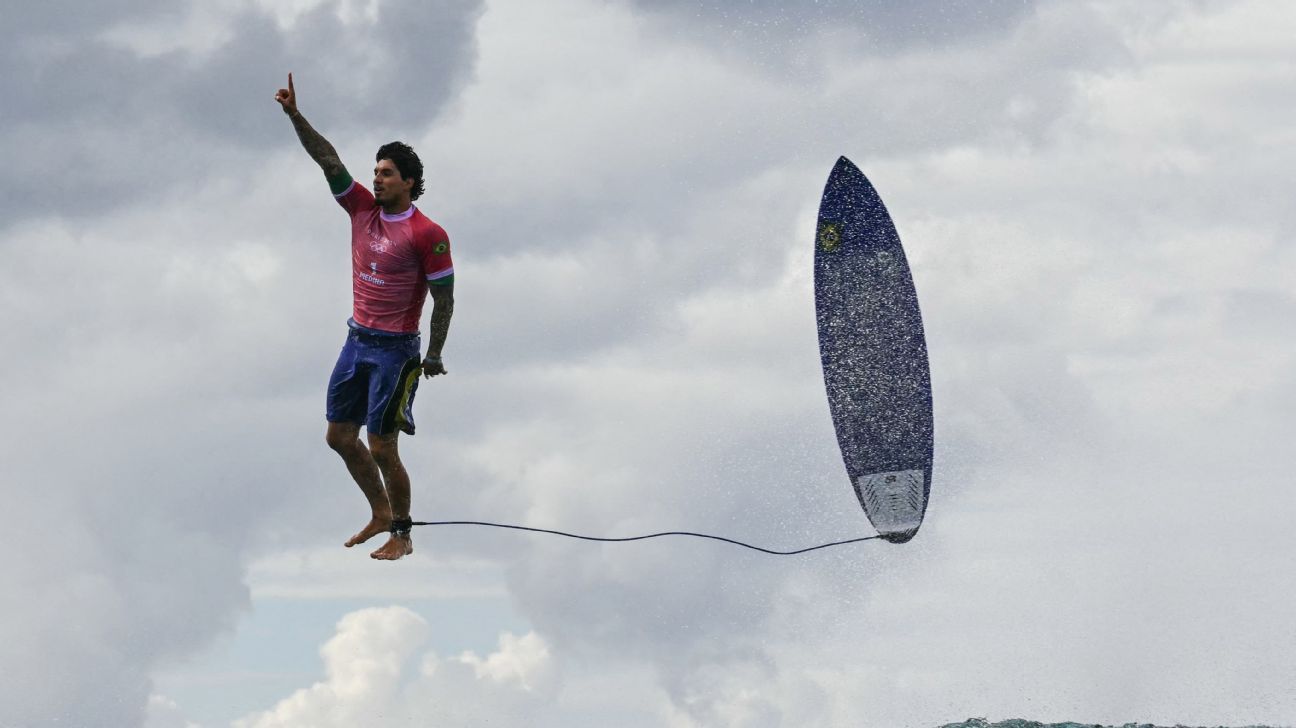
396	208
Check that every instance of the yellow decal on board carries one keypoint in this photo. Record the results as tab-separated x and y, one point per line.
829	238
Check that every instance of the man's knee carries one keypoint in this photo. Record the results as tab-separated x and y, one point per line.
383	449
342	438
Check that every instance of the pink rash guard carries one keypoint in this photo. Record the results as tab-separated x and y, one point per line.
393	258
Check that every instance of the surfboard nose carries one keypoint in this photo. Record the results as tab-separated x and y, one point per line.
843	170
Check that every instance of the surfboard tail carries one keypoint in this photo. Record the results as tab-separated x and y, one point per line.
895	501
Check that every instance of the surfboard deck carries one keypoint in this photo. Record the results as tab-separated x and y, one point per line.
874	354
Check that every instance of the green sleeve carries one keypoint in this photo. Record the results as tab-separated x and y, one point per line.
340	182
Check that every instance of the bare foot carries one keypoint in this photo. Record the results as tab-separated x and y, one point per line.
376	526
396	547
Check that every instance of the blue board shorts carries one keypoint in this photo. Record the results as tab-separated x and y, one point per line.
374	381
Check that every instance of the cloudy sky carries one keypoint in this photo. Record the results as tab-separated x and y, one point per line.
1095	200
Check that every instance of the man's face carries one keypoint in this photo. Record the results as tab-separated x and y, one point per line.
388	186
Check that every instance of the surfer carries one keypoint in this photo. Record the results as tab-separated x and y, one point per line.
398	258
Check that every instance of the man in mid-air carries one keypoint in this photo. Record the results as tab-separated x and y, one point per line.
398	257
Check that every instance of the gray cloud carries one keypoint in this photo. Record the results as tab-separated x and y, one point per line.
710	190
1043	244
144	473
102	116
884	24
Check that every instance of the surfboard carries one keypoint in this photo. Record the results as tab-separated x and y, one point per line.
874	354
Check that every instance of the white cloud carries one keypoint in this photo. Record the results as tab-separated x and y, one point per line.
521	661
363	665
371	673
165	713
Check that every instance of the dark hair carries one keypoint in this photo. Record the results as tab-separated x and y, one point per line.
407	163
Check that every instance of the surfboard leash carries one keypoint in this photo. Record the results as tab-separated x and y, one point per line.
406	524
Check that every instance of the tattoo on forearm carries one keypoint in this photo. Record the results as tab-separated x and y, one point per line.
316	145
442	311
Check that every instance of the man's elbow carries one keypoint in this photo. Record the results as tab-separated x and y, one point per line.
332	166
443	300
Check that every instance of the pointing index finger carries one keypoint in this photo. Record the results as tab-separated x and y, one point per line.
290	86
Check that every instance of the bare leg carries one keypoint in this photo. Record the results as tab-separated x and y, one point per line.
344	438
387	457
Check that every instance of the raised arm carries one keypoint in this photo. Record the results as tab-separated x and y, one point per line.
317	146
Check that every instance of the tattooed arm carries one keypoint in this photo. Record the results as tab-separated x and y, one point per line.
317	146
442	310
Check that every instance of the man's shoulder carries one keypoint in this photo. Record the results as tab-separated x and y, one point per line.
425	227
356	198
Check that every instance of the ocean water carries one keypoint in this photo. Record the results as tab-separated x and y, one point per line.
1020	723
